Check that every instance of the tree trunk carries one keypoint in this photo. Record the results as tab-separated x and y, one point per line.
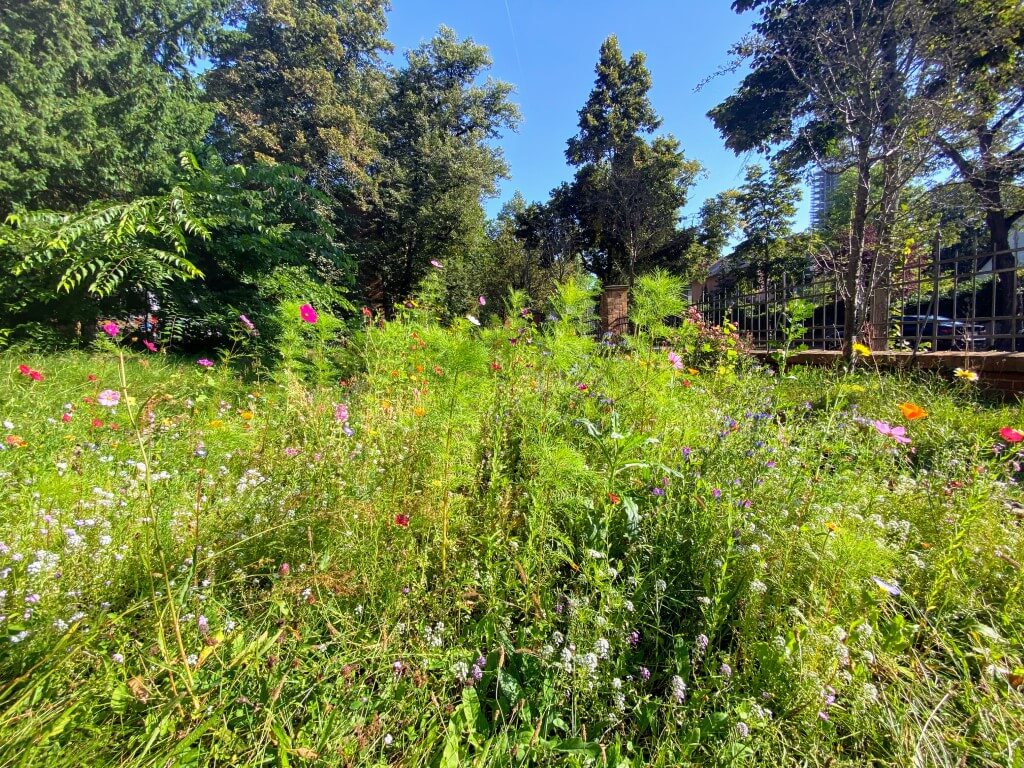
853	317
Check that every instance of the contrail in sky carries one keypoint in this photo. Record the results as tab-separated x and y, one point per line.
515	43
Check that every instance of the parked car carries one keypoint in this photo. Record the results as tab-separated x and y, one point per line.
943	333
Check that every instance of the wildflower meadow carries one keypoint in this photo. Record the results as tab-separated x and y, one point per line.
501	541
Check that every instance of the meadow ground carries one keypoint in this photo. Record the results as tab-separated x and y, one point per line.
504	546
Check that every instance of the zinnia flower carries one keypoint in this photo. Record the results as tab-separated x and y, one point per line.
308	314
109	398
1011	435
205	362
912	411
966	375
110	329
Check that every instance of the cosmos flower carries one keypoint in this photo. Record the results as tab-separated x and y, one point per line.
110	329
482	300
436	264
308	314
205	362
108	398
149	345
899	434
473	320
675	360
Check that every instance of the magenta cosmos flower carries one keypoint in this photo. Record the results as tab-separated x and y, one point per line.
308	314
205	362
675	360
149	345
899	434
110	329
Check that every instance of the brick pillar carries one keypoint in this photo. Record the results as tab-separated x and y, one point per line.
615	309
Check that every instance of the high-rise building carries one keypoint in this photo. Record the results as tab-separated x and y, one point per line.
823	184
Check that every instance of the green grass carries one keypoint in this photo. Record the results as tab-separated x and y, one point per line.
221	574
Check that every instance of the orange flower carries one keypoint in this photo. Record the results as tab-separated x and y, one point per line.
16	441
419	411
912	411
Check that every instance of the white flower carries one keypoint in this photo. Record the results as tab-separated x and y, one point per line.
473	320
589	662
601	647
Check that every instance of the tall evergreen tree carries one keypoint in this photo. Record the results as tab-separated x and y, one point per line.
628	189
97	99
766	206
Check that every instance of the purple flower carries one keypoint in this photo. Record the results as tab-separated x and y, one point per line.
204	625
633	638
205	362
645	673
725	670
247	322
716	493
397	668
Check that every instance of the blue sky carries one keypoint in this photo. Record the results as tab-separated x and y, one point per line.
548	49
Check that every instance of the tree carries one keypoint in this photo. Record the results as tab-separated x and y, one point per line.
436	164
298	82
766	206
627	190
976	50
716	221
97	99
839	81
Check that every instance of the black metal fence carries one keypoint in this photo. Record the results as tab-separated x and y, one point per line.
945	301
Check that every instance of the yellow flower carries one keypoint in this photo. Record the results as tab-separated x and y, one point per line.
216	423
692	371
419	410
965	375
247	415
862	350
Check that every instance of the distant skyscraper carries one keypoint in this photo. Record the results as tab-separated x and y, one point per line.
823	184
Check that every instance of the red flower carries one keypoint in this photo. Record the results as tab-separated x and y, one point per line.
92	377
24	370
97	423
1011	435
402	521
35	375
495	366
614	498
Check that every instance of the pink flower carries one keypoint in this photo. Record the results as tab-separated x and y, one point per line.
291	452
341	413
284	569
677	362
204	362
1011	435
247	322
482	301
581	387
109	398
110	329
308	314
65	417
436	264
35	376
899	434
149	345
